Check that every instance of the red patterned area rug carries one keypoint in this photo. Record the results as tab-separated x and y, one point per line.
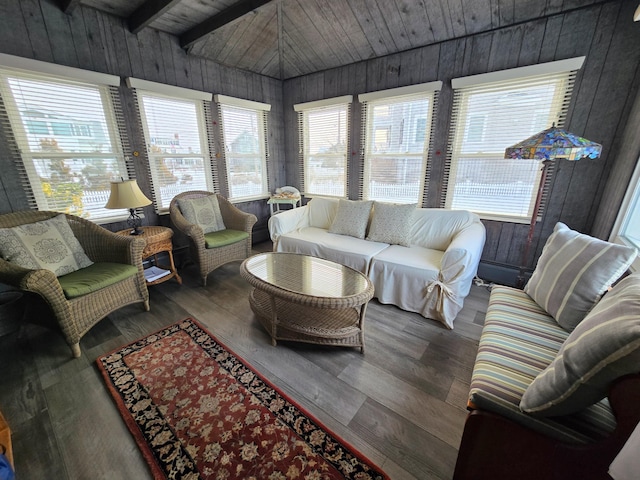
197	410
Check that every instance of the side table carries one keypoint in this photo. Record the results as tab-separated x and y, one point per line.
158	240
277	201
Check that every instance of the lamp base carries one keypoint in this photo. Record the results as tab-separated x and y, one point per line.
134	222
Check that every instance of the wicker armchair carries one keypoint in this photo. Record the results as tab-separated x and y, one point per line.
77	315
208	259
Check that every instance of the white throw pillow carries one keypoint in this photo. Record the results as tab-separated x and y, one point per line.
352	218
322	211
203	211
391	223
48	244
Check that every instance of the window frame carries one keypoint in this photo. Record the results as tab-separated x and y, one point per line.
201	102
425	91
106	86
629	210
303	110
261	111
559	73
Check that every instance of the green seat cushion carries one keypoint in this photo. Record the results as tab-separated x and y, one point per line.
95	277
224	237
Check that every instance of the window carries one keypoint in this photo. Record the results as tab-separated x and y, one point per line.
397	128
626	230
173	120
324	146
490	113
63	171
244	127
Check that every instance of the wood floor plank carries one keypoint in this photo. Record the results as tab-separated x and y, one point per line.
401	404
435	416
414	449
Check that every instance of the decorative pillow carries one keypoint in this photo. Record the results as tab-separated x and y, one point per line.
602	348
573	272
351	218
391	223
203	211
48	244
322	211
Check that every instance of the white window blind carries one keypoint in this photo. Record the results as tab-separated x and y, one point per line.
67	136
397	132
244	134
490	113
324	146
177	144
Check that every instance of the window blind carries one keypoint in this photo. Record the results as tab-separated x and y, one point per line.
397	133
489	116
177	145
244	134
324	146
67	137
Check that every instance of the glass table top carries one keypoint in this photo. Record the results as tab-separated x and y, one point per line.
307	275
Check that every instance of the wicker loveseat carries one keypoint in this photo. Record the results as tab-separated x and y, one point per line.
212	250
82	298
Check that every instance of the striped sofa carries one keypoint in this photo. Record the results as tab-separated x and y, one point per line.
520	340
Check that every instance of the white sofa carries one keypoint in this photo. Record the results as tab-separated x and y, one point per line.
432	276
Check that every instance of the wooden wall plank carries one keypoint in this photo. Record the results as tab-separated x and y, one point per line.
94	38
58	30
457	18
37	31
12	22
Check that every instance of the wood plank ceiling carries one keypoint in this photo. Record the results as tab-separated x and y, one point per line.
289	38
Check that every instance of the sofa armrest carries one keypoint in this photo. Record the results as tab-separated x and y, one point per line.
287	221
462	256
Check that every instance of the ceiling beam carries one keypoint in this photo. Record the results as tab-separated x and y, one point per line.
146	13
220	19
68	6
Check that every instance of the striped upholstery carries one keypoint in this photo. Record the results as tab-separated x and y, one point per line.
518	341
573	272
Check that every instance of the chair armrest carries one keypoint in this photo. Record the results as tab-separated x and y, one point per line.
234	218
102	245
287	221
41	281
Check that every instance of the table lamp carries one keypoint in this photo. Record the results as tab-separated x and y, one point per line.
549	145
127	194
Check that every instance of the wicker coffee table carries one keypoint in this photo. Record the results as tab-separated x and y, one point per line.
308	299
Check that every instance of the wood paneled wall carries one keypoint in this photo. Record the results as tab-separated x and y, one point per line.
605	89
93	40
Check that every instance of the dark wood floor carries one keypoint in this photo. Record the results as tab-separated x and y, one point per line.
402	404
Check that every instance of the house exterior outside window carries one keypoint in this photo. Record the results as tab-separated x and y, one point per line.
324	146
174	121
67	134
246	151
490	113
396	134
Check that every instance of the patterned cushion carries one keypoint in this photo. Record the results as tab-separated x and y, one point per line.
573	272
519	340
391	223
48	244
203	211
603	347
351	218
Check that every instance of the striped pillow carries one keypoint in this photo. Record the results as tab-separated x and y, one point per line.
573	273
602	348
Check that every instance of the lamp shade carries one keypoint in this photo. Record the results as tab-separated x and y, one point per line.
554	143
126	194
